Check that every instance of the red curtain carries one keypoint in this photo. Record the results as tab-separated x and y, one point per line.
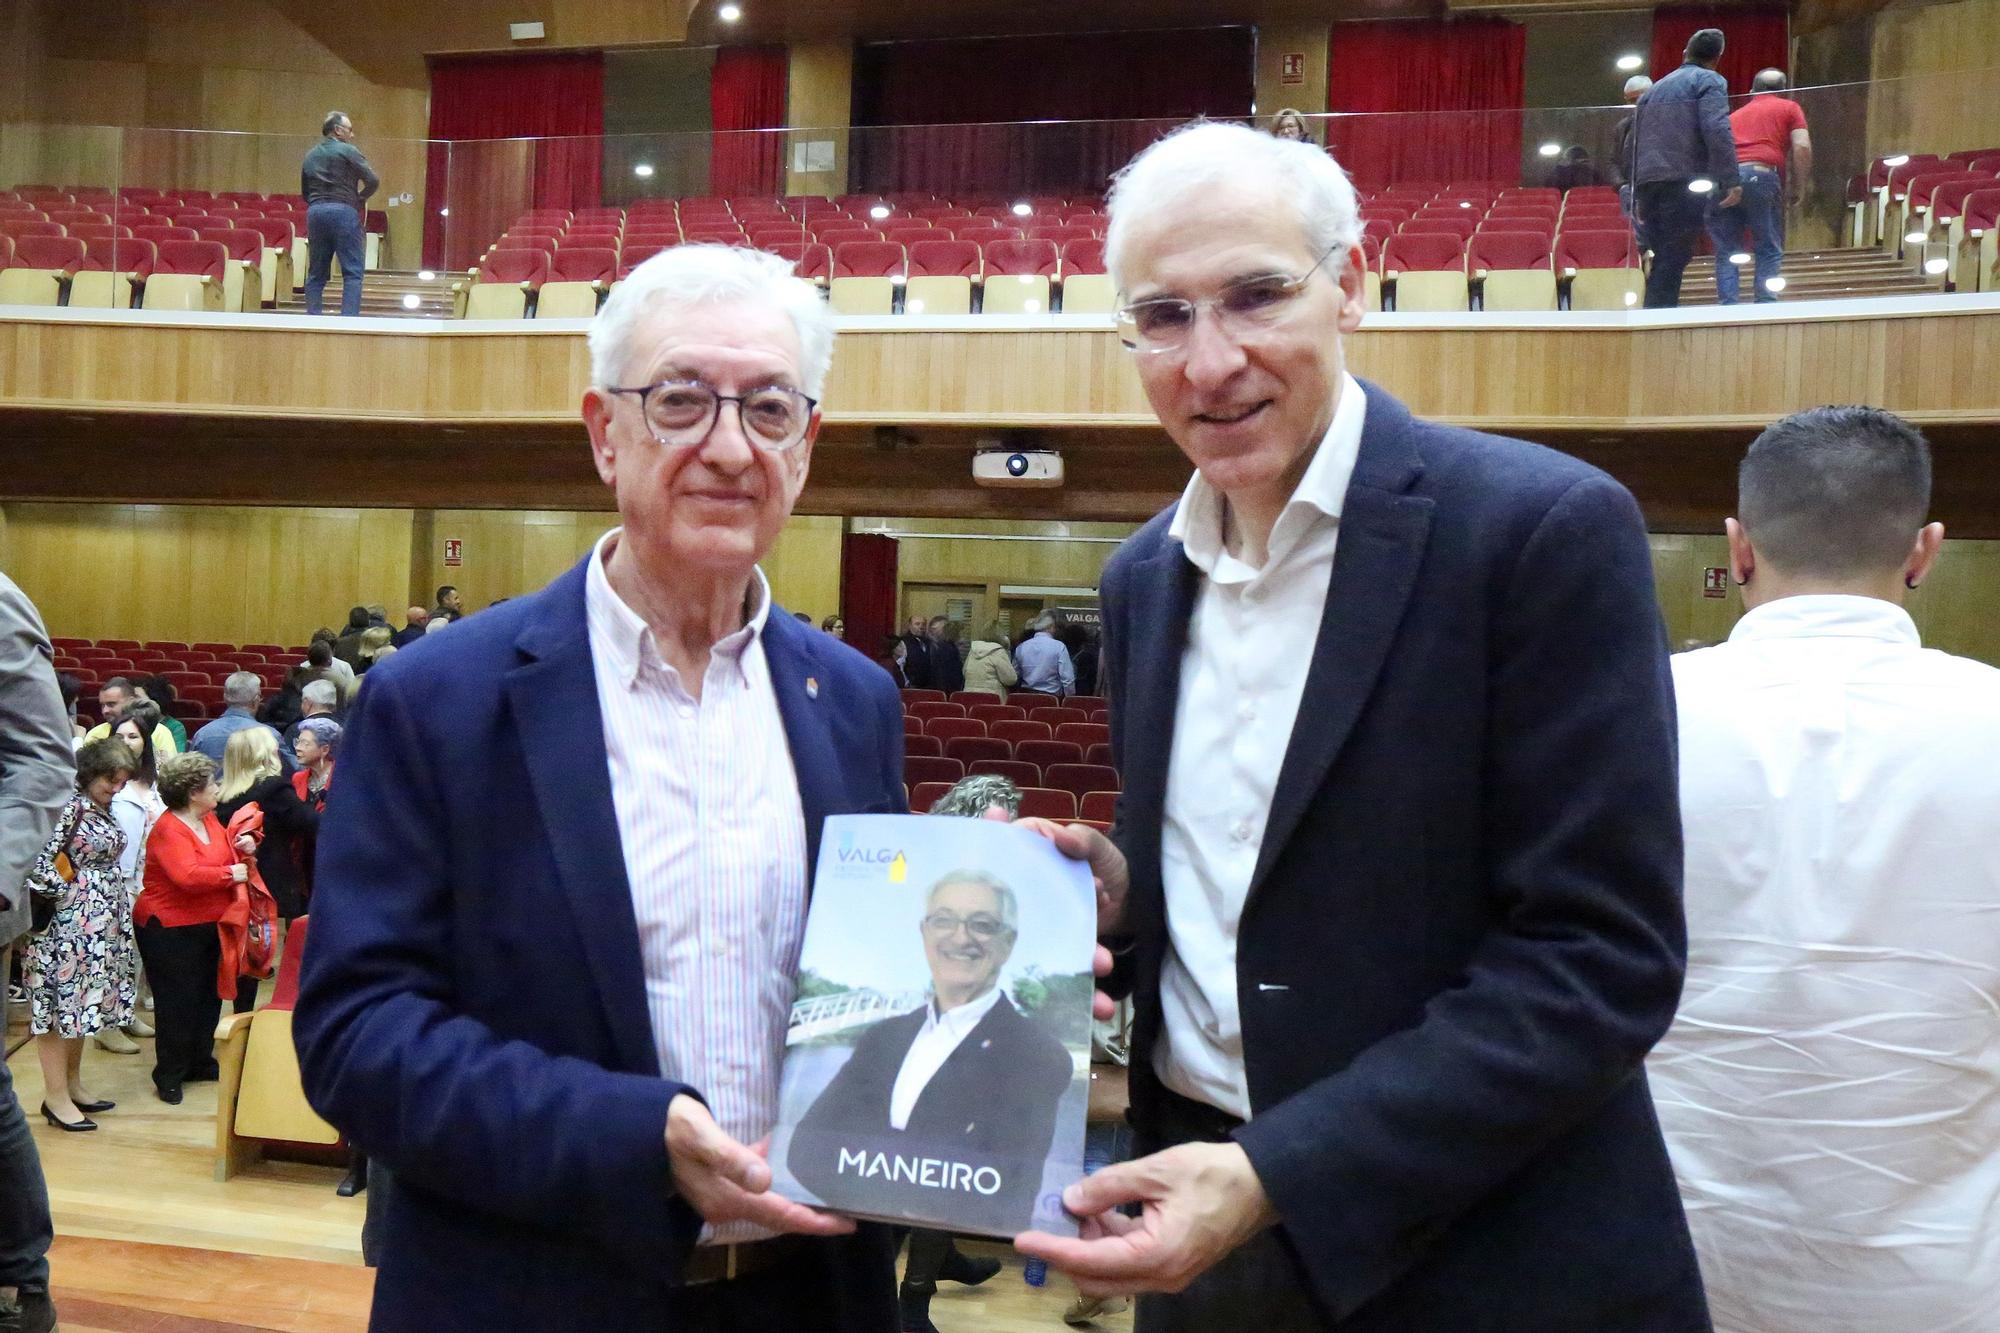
526	132
1754	39
868	590
1465	73
949	116
747	92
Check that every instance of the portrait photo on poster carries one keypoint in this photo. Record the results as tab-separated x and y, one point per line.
937	1062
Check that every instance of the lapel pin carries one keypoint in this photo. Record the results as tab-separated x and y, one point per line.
812	687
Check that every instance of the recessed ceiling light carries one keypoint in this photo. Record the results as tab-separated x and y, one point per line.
729	13
1937	265
1916	237
643	170
1774	285
879	211
1023	209
1551	149
426	275
411	301
1628	63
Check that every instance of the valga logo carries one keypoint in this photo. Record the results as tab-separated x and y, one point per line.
848	854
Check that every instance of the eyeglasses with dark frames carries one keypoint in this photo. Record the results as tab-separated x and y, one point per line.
680	413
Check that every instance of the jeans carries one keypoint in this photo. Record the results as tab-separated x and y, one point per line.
1761	213
1670	218
334	229
25	1228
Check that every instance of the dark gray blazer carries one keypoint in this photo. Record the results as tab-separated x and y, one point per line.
37	767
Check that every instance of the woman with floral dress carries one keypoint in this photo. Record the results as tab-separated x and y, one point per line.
78	971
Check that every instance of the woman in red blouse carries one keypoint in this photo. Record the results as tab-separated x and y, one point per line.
192	872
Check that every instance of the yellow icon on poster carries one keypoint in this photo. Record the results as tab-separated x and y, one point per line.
899	869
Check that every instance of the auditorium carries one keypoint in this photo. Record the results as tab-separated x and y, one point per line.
1479	519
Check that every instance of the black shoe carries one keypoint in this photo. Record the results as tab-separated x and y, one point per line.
353	1183
913	1307
171	1096
83	1126
33	1312
92	1108
963	1268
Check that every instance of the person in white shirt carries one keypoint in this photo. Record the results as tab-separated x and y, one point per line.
1830	1090
967	1078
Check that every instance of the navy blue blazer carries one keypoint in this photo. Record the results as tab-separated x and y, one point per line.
473	1007
1464	929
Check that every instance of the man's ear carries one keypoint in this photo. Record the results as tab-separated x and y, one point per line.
1923	555
597	409
1742	556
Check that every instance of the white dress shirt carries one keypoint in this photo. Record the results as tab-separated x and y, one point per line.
714	842
934	1043
1249	646
1830	1090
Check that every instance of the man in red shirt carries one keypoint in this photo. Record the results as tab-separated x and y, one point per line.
1771	146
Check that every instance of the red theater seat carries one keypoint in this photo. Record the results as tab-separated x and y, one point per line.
1100	806
991	713
1014	732
1428	269
949	728
40	269
1049	752
971	697
912	726
923	697
923	768
966	749
920	743
927	794
809	259
866	275
940	278
1085	734
1517	270
1060	713
1047	803
1081	778
1014	770
1019	275
930	708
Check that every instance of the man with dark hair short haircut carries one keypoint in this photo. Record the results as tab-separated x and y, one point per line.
1773	162
113	697
1830	1090
449	604
917	663
336	181
1683	159
319	657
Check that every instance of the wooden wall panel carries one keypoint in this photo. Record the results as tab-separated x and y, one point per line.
1928	61
235	574
1274	42
1932	367
510	552
819	93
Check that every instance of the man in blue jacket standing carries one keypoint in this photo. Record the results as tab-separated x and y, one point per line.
1683	153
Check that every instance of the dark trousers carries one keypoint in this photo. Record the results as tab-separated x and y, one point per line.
1670	222
822	1289
181	962
334	229
25	1229
1260	1287
1758	223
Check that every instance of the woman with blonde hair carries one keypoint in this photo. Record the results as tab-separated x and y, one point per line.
373	640
988	665
253	772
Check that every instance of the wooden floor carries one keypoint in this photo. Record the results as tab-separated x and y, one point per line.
148	1241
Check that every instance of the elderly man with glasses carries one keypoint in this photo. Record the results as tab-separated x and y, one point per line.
562	888
1395	884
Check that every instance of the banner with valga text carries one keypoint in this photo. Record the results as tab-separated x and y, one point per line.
937	1063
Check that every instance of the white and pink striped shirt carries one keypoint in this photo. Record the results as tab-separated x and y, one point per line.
714	841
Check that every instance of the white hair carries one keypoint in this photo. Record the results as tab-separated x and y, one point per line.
241	689
692	275
1199	157
320	692
1637	84
1005	906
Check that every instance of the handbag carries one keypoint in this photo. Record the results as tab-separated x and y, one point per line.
49	886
